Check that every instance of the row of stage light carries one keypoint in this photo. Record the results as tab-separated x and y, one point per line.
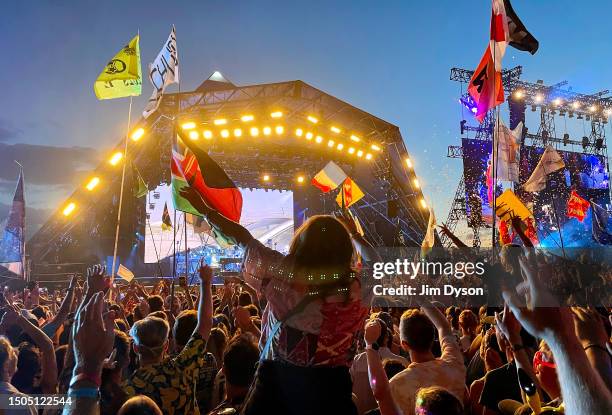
563	106
220	127
190	126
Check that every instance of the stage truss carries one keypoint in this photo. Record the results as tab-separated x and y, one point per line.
552	101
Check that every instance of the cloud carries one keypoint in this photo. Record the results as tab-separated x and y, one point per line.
46	165
7	132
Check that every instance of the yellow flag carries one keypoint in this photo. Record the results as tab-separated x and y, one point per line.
122	76
350	191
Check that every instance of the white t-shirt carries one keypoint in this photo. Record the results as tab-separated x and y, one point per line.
448	372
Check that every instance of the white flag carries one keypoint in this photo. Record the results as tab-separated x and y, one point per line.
162	72
550	162
125	273
506	145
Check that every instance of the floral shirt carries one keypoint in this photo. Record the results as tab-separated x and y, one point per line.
171	383
325	332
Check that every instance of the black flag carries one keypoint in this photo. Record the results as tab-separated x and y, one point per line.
519	36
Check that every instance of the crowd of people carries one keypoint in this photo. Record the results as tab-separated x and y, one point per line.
294	335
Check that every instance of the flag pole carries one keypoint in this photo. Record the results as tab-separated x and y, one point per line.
24	272
127	133
178	105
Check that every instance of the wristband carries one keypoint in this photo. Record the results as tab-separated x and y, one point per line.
93	393
596	346
95	379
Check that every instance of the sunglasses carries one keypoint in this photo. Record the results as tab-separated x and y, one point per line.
539	359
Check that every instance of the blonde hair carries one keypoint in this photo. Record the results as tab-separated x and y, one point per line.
150	335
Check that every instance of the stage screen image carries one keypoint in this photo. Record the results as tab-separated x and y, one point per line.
267	214
478	189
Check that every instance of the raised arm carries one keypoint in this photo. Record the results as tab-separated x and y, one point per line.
185	287
205	306
51	327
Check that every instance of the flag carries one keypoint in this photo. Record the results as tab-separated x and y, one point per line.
486	86
329	178
122	76
600	223
505	237
139	187
499	33
166	222
358	226
430	234
508	206
162	72
518	35
577	207
506	145
199	223
125	273
349	193
12	245
549	163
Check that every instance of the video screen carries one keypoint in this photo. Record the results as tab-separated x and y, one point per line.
267	214
478	185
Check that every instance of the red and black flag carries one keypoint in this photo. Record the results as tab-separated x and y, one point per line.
518	35
166	222
486	86
192	166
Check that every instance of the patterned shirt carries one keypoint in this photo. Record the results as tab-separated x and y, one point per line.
447	372
325	332
170	383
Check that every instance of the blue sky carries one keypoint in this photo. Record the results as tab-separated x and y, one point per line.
389	58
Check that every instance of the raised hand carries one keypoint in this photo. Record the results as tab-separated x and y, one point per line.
97	279
589	327
372	331
508	325
205	272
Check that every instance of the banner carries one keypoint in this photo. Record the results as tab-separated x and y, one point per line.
162	72
122	76
349	193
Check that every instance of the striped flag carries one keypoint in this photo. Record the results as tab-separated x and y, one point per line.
349	193
166	222
329	178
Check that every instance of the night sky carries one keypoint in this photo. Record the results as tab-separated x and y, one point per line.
392	61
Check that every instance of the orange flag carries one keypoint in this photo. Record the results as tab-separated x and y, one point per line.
486	86
577	207
350	192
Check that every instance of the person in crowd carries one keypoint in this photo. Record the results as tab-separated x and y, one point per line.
468	324
314	309
365	400
8	367
170	381
239	364
140	405
417	329
111	392
435	400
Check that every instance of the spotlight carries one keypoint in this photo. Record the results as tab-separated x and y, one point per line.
355	138
319	139
225	133
575	105
335	129
267	130
70	207
194	135
539	98
92	183
368	156
408	163
116	158
518	94
375	147
276	114
300	179
299	132
279	129
266	178
247	118
557	102
351	150
188	125
416	183
308	135
359	153
423	204
340	146
312	119
254	131
208	134
330	143
237	132
593	108
137	134
220	121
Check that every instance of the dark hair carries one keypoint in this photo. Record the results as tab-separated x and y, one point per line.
156	303
253	310
160	313
121	325
216	344
312	244
139	405
245	299
452	314
240	360
39	311
393	367
184	325
417	330
438	401
29	364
